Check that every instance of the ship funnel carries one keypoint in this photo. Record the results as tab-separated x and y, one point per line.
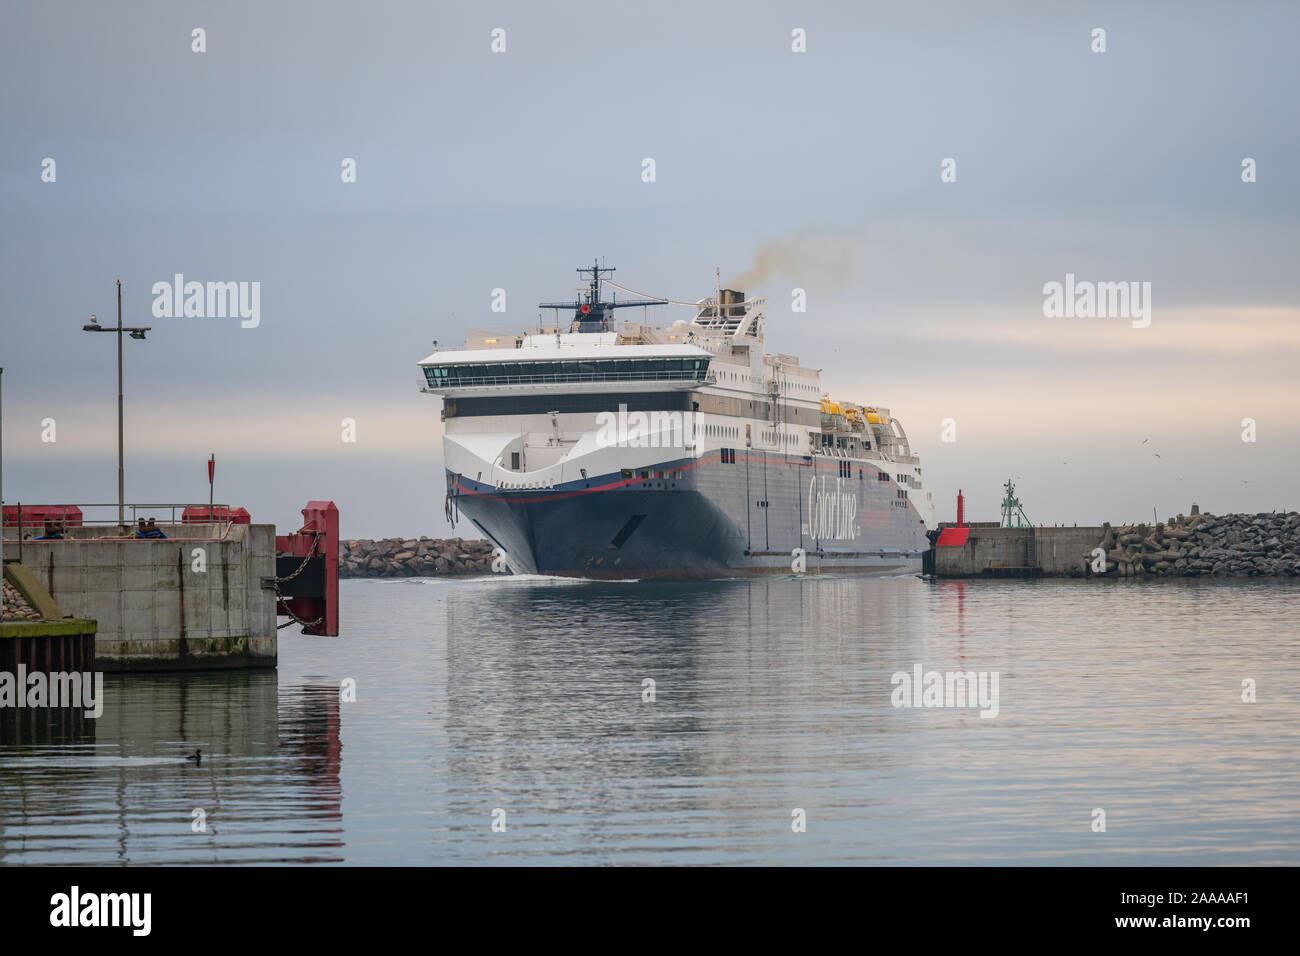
732	302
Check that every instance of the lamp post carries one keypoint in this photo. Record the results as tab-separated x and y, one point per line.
136	333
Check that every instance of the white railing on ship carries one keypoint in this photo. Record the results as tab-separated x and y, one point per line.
471	381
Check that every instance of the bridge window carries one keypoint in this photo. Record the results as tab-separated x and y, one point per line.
586	370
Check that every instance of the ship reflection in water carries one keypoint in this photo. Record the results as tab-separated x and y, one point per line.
532	697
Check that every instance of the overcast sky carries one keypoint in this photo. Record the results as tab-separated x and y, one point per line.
818	170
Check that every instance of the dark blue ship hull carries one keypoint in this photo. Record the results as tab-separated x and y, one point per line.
749	512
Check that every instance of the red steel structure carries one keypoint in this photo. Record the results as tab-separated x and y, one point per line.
307	570
222	513
35	516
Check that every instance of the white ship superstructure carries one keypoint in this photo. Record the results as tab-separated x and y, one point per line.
589	449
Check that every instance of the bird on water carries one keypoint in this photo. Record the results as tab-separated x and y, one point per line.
197	757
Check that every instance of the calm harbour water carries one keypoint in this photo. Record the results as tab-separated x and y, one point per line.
770	695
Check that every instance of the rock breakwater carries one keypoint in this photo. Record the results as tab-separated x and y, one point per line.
1205	545
413	557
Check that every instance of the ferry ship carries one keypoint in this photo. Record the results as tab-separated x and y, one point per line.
626	450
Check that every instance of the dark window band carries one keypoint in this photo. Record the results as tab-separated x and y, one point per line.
541	404
590	370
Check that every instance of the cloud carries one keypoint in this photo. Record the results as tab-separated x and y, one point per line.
271	425
1206	333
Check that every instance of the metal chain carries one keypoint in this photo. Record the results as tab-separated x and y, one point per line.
297	620
310	554
294	618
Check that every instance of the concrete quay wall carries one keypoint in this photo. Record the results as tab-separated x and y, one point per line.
1197	545
999	552
193	600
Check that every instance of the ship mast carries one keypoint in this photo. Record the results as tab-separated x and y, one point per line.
590	314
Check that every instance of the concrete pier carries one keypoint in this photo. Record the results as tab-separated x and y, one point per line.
1017	553
1199	545
195	599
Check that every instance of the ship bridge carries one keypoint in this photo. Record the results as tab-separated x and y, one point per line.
563	367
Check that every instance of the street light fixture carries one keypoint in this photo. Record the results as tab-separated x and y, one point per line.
135	332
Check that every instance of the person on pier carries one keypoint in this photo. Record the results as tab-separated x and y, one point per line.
149	530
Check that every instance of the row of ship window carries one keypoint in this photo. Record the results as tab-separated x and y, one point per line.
846	471
648	475
734	377
775	438
594	370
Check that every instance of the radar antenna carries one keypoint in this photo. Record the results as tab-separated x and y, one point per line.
590	314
